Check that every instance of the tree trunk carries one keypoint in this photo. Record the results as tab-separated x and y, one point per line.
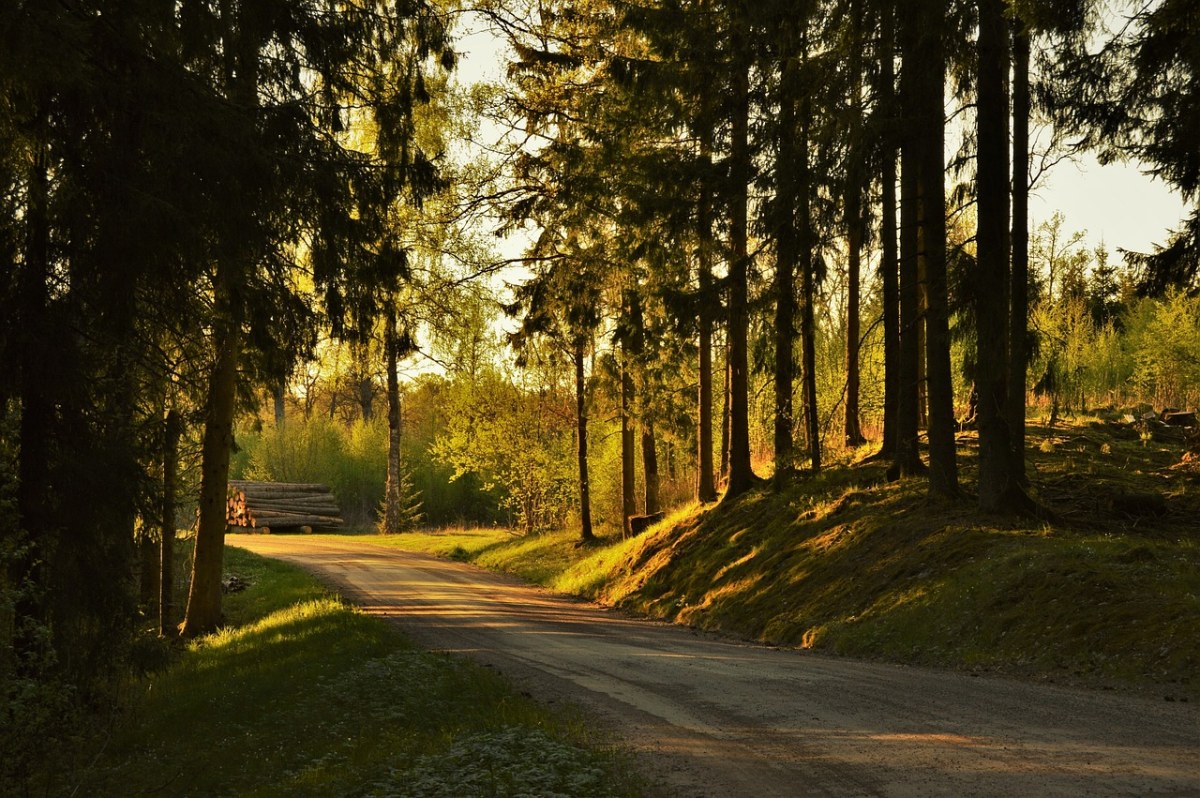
203	612
393	500
907	455
931	169
786	252
889	259
650	467
808	291
741	476
581	444
1019	283
628	486
998	488
172	431
706	489
854	235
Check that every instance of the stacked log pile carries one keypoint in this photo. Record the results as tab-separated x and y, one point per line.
282	505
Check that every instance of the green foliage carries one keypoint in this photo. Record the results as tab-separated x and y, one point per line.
408	512
1167	352
339	704
516	440
350	459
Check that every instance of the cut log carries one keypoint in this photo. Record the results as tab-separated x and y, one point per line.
281	505
302	487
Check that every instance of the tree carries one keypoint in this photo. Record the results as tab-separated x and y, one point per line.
999	482
741	475
1132	98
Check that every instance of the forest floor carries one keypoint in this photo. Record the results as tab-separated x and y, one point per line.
1106	593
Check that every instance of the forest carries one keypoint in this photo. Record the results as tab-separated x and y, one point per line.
671	252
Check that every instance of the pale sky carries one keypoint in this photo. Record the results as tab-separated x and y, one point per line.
1116	205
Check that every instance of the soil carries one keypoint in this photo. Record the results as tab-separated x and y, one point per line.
707	716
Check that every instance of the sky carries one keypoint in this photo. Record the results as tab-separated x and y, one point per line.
1116	205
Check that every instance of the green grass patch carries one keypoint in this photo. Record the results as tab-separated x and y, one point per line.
304	696
846	563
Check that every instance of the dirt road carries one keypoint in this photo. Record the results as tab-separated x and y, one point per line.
709	717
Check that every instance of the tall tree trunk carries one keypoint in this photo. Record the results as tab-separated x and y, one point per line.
203	613
741	476
581	443
1019	283
889	259
907	455
628	485
706	489
931	169
786	167
393	498
808	291
172	431
650	467
998	487
853	427
855	234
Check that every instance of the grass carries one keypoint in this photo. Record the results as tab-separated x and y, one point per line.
844	562
304	696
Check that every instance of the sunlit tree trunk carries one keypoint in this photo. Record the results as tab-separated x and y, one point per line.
628	485
203	613
393	498
706	489
581	442
808	294
855	234
786	255
889	259
741	476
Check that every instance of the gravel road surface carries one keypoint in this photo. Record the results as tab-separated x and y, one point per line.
710	717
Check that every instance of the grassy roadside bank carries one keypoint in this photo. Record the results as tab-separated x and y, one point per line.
848	564
304	696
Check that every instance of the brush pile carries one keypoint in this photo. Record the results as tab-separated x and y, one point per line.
281	505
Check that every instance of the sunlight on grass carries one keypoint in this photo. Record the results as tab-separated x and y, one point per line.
314	698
